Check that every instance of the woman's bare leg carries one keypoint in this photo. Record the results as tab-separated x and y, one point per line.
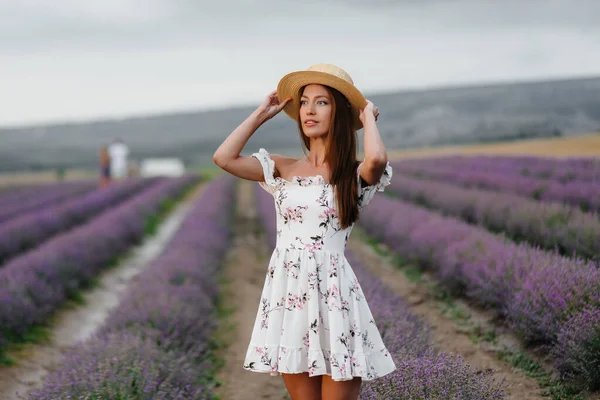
340	390
303	387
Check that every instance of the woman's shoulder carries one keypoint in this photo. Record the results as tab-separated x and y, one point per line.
283	159
275	156
282	162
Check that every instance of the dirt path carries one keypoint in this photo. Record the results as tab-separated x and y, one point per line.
75	324
243	281
447	336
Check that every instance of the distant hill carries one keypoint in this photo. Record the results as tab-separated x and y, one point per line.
408	119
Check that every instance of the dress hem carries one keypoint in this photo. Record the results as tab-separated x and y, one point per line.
279	373
340	366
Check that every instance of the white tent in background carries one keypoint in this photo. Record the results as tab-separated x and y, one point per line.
170	167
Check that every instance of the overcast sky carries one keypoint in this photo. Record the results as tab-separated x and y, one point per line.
72	60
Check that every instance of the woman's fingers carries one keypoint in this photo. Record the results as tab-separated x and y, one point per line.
283	103
272	97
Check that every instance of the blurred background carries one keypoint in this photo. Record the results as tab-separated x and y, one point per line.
172	79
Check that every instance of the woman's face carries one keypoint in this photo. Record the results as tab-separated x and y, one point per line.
315	111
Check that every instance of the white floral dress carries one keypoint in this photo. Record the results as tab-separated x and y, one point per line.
313	316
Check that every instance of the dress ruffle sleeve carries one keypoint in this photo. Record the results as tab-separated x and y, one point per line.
366	193
268	166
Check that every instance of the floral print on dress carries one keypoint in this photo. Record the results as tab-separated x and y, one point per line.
293	215
313	316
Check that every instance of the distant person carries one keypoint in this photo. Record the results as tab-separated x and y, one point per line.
313	325
118	152
104	167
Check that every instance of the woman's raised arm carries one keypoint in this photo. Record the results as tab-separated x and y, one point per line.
228	157
375	161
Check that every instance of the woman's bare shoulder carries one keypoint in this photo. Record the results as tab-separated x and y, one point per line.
283	159
282	162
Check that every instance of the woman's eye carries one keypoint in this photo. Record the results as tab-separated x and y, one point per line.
320	102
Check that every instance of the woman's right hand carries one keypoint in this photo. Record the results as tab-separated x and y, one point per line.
271	105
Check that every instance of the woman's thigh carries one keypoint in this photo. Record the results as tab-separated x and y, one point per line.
340	390
303	387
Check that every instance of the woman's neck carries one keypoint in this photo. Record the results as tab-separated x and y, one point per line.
317	152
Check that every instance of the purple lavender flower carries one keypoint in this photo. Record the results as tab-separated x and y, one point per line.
20	201
39	281
30	229
551	225
477	173
577	350
122	366
156	343
537	291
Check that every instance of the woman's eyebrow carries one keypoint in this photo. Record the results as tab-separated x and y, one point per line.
316	97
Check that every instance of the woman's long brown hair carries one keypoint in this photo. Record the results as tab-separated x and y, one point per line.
341	150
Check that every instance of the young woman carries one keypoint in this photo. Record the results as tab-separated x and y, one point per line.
313	325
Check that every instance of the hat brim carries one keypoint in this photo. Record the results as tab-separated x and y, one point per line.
290	85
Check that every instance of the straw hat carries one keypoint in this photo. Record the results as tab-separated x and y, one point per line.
323	74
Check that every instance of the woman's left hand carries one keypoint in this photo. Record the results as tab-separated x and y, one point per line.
370	109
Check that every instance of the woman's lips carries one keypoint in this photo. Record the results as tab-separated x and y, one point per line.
310	122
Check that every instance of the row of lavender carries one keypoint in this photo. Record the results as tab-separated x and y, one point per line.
13	193
546	298
563	170
422	372
30	200
585	195
35	284
29	230
568	229
155	344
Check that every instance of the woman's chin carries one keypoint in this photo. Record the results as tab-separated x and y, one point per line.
314	133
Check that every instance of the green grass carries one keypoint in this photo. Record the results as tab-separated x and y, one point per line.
554	389
220	339
153	221
413	273
6	361
377	247
35	334
76	297
478	334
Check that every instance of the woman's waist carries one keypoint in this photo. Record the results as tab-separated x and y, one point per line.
308	251
311	246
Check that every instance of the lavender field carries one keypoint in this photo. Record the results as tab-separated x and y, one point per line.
518	235
51	253
30	229
572	182
18	201
158	341
532	261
